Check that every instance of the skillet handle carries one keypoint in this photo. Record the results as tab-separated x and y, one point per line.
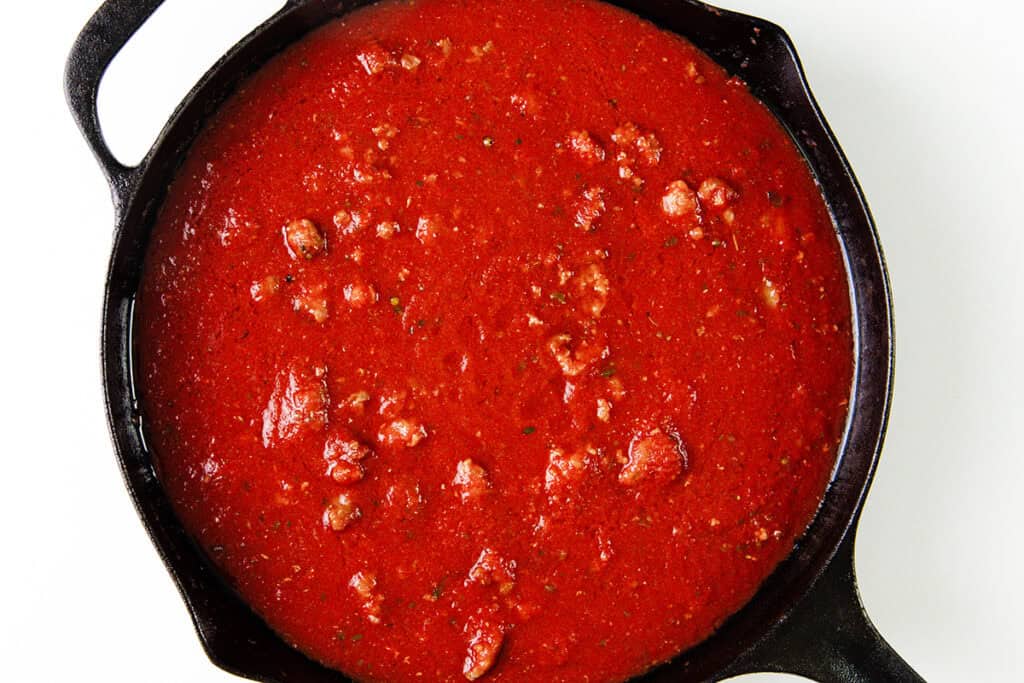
828	637
113	24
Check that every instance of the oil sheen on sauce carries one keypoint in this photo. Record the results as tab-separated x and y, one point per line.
494	340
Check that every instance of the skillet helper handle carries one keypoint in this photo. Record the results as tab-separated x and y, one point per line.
828	636
113	24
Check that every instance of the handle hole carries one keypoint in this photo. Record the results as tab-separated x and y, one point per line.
161	63
766	678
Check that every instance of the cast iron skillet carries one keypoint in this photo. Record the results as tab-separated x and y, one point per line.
806	619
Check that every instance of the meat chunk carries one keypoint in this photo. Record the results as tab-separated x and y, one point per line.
366	173
410	62
635	147
359	294
680	201
648	149
356	402
694	73
491	568
350	222
770	293
303	239
592	288
391	402
485	640
575	361
297	404
374	59
655	456
429	228
384	133
364	585
589	207
387	229
585	148
267	287
402	432
471	480
311	299
626	134
340	513
477	52
714	193
344	455
445	46
566	468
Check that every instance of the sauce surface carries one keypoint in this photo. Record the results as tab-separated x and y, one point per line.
504	340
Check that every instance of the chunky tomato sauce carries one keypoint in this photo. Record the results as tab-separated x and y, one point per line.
504	340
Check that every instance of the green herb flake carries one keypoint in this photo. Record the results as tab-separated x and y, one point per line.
529	429
356	637
340	635
608	371
558	296
396	304
549	588
671	241
519	141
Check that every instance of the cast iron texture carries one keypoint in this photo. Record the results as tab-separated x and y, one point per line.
806	619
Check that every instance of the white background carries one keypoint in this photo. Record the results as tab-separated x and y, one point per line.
927	98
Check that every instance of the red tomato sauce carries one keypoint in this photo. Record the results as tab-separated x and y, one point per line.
504	340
